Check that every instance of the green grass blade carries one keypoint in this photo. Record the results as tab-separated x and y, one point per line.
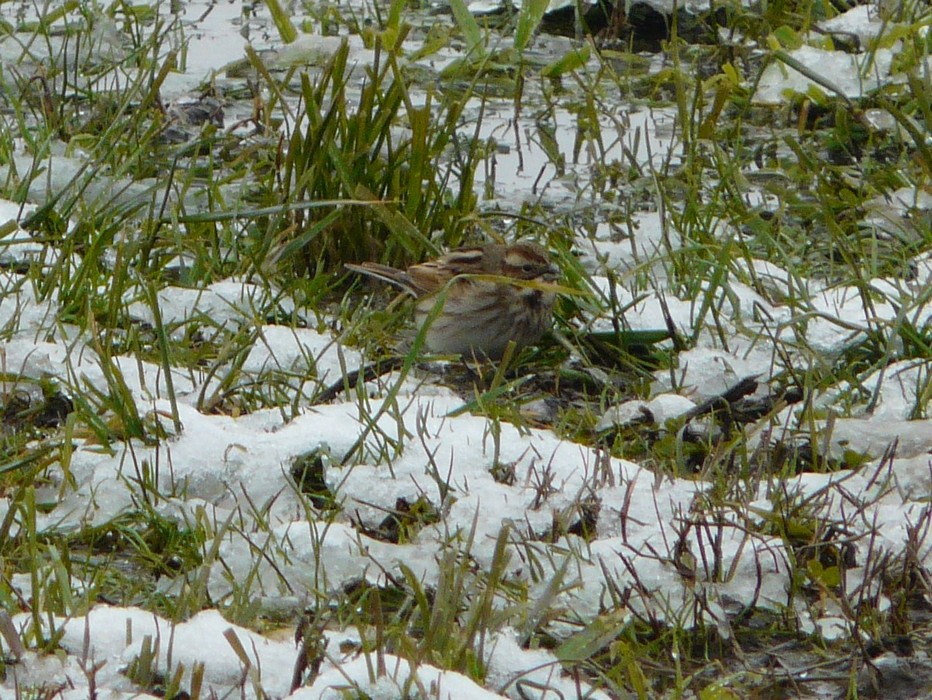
529	18
470	28
282	21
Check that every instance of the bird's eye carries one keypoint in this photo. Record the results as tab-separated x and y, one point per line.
528	267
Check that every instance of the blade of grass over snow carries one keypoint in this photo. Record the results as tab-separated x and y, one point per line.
393	28
286	29
529	17
475	46
813	75
570	62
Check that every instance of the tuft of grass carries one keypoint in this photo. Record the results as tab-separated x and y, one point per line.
352	148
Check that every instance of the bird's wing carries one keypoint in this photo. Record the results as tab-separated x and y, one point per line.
392	275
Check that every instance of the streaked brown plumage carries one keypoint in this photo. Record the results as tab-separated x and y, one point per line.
491	295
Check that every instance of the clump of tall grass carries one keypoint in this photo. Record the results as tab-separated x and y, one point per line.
393	157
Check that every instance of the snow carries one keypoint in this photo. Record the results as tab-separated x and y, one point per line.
851	75
864	21
399	678
405	439
116	636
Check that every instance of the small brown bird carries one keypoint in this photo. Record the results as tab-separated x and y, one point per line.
492	295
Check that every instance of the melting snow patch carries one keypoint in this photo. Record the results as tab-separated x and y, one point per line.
843	71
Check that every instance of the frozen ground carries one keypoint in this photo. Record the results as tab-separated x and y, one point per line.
405	440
